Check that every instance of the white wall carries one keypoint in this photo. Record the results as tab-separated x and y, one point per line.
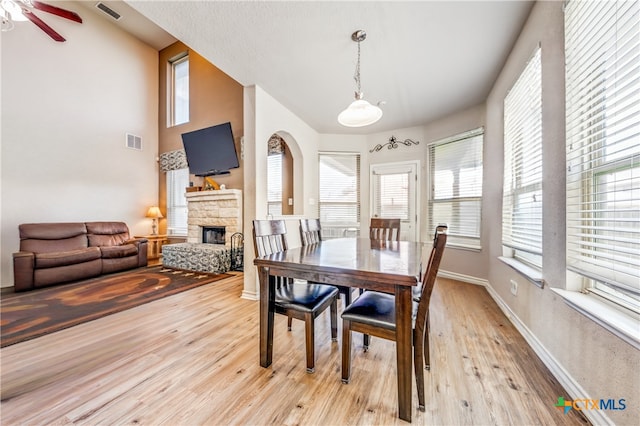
65	110
263	117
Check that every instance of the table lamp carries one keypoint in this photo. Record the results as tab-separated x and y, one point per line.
154	213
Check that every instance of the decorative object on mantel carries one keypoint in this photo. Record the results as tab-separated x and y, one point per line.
393	143
360	113
154	213
210	184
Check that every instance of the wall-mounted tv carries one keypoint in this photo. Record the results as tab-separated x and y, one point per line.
210	151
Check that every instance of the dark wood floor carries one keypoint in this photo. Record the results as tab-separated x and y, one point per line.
192	359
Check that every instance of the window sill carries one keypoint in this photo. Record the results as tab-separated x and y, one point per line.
464	247
622	325
530	273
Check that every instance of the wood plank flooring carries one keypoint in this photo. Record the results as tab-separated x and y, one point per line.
192	359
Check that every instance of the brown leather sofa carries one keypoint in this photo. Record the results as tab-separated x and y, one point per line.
54	253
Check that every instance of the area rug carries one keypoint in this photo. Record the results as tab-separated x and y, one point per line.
24	316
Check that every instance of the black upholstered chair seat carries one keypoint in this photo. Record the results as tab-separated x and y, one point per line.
304	297
376	309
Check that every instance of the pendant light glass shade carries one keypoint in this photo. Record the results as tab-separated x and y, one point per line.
360	113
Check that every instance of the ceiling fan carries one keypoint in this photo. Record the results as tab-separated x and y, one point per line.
20	10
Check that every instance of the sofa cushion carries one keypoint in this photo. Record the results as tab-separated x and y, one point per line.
63	258
113	252
107	233
52	237
51	231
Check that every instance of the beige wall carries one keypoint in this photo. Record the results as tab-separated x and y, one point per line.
65	110
214	98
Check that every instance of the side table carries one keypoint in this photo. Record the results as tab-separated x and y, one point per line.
155	246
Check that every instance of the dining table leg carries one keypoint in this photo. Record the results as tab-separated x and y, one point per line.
404	350
267	303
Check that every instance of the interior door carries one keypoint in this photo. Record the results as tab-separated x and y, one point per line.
394	193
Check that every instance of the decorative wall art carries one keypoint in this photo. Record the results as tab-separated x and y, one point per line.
393	143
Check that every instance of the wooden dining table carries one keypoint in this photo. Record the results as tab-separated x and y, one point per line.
387	266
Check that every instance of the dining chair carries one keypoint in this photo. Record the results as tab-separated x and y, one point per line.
311	233
373	313
384	229
303	301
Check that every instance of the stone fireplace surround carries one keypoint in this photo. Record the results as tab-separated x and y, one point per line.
215	208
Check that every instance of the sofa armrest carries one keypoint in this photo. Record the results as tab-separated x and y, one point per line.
143	247
135	241
23	270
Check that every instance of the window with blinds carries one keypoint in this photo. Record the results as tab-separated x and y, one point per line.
455	170
339	193
522	187
602	49
274	184
177	182
392	195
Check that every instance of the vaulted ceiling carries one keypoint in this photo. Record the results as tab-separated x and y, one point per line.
422	59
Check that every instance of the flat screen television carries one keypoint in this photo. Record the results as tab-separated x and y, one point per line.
210	151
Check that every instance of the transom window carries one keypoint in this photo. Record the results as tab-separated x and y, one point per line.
178	91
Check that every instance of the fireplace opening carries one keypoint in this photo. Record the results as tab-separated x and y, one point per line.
213	234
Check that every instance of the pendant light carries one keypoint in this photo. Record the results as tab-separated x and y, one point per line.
360	113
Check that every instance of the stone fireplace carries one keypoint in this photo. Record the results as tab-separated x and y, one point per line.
214	209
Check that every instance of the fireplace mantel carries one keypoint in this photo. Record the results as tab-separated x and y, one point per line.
214	208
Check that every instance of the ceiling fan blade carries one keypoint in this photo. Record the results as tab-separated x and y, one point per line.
57	11
40	23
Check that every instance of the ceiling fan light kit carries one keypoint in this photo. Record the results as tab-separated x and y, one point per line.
20	10
359	113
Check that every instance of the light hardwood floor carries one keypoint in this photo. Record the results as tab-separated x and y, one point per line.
192	359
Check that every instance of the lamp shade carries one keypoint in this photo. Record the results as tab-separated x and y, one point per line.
360	113
154	212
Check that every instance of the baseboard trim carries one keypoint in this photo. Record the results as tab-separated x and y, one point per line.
249	295
575	390
464	278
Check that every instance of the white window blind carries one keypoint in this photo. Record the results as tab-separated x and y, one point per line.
455	165
339	192
274	184
522	187
177	182
179	93
392	195
603	148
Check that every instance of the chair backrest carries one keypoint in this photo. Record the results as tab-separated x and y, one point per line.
429	277
269	236
384	229
310	231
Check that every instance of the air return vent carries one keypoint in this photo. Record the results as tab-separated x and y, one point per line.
134	142
107	10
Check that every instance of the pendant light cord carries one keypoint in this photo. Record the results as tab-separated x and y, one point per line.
357	74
